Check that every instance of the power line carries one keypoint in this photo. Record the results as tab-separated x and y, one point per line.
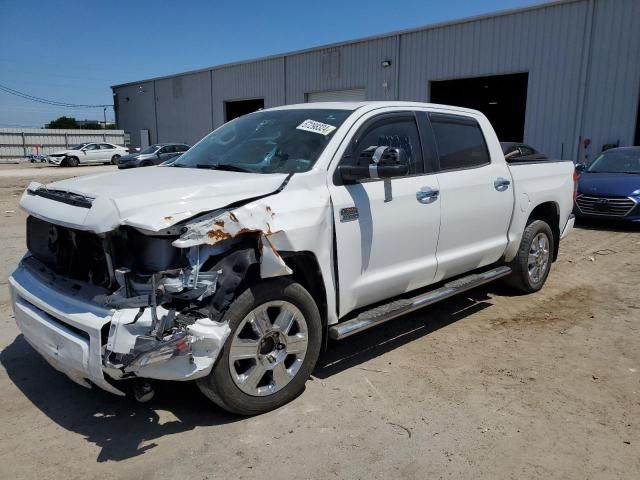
54	103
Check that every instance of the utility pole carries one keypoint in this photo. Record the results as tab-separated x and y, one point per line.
104	112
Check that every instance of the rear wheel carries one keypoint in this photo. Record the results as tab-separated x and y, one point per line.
114	159
532	264
275	340
72	161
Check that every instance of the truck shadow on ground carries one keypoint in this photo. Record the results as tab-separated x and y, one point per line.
123	428
120	426
367	345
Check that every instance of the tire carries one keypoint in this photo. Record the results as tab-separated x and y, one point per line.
532	264
146	164
249	385
72	161
114	159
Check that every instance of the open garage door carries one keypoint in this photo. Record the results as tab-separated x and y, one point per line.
241	107
351	95
502	98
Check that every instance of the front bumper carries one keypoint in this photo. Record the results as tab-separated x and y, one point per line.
55	160
65	330
76	335
128	164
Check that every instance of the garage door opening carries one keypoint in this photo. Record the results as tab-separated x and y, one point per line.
502	98
241	107
349	95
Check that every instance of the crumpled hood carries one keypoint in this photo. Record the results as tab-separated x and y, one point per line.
151	198
608	184
65	152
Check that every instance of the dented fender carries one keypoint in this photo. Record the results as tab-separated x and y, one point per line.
257	219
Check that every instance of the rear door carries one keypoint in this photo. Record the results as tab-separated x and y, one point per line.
476	196
385	235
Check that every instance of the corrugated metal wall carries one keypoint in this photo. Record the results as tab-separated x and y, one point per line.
613	75
16	143
184	107
136	110
582	57
260	79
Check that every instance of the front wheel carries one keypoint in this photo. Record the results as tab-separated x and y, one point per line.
274	344
532	264
72	161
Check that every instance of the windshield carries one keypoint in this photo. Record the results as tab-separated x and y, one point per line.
79	146
150	149
617	161
280	141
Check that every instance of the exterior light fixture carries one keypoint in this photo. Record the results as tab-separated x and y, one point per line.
386	63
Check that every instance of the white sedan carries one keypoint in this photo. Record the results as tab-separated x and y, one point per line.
87	153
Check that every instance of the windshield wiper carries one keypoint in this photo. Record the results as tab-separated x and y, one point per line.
229	167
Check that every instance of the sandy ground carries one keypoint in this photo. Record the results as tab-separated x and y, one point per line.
487	385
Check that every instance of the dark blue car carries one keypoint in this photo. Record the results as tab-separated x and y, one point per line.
610	186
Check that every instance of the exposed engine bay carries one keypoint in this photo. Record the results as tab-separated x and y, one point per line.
179	282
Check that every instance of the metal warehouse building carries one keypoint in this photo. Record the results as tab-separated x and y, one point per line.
555	75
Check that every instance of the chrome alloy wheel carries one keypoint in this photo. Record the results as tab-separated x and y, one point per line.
268	348
538	257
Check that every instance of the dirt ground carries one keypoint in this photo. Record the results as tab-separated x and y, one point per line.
485	385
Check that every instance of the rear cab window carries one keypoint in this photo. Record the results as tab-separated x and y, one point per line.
459	141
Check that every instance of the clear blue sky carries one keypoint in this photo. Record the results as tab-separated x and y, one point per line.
74	50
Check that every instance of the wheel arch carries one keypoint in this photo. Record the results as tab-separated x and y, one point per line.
548	212
306	271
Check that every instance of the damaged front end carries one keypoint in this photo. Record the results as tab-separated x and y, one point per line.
168	290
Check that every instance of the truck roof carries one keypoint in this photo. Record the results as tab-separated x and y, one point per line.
369	105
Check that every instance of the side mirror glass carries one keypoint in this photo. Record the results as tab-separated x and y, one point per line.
376	162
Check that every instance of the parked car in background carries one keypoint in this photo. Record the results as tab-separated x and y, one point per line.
278	230
88	152
610	186
153	155
520	152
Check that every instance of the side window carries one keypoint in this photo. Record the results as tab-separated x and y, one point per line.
106	146
182	148
399	132
164	150
92	146
460	142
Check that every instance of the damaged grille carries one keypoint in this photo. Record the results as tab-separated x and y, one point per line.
70	253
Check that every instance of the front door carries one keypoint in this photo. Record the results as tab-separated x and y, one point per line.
386	230
92	153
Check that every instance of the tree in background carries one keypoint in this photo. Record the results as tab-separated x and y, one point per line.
64	122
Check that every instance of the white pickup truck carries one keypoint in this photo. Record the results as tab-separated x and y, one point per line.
279	230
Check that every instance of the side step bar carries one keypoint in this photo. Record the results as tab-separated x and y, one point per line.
397	308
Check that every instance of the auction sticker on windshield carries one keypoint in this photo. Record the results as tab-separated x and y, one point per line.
316	127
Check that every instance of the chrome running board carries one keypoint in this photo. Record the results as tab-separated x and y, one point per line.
396	308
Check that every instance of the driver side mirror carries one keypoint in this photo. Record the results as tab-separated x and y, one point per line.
376	162
580	167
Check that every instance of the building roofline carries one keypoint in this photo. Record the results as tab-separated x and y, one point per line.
434	26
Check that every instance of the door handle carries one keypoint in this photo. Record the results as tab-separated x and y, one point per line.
501	184
427	195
